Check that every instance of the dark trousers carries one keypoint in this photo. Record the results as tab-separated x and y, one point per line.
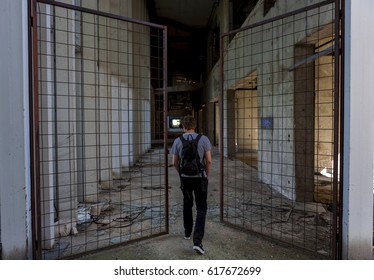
194	188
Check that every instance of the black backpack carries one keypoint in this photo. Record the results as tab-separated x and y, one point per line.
190	164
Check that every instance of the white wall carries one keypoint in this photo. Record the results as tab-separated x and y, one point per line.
15	230
358	131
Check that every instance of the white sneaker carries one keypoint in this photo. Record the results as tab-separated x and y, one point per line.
199	249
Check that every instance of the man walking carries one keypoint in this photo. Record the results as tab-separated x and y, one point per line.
193	184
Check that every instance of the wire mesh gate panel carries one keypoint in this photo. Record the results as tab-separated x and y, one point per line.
279	117
102	160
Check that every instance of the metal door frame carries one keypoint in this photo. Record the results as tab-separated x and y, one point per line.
34	113
338	118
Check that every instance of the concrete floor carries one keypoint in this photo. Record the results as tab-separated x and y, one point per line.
221	241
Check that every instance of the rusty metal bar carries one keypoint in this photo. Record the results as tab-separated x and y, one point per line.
221	119
336	126
98	13
339	123
165	100
282	16
34	132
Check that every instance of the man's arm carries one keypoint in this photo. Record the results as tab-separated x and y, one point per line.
175	162
208	162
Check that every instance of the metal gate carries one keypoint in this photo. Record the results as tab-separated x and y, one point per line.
280	119
99	157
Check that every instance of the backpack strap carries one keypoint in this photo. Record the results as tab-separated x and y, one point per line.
196	140
201	160
182	139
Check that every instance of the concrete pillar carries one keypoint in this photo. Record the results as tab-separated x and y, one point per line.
357	217
304	84
47	129
15	209
65	113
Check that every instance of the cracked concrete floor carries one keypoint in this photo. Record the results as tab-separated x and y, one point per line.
221	241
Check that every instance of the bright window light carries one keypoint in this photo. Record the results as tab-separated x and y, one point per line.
176	122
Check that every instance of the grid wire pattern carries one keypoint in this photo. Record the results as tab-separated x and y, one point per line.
278	128
102	159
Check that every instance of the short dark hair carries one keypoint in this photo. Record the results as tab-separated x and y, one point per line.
189	122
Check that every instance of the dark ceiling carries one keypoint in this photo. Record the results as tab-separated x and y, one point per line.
187	22
191	13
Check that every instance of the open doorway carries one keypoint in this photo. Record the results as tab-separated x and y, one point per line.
314	117
246	116
324	122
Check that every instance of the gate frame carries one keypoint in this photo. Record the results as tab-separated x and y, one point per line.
34	116
338	120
